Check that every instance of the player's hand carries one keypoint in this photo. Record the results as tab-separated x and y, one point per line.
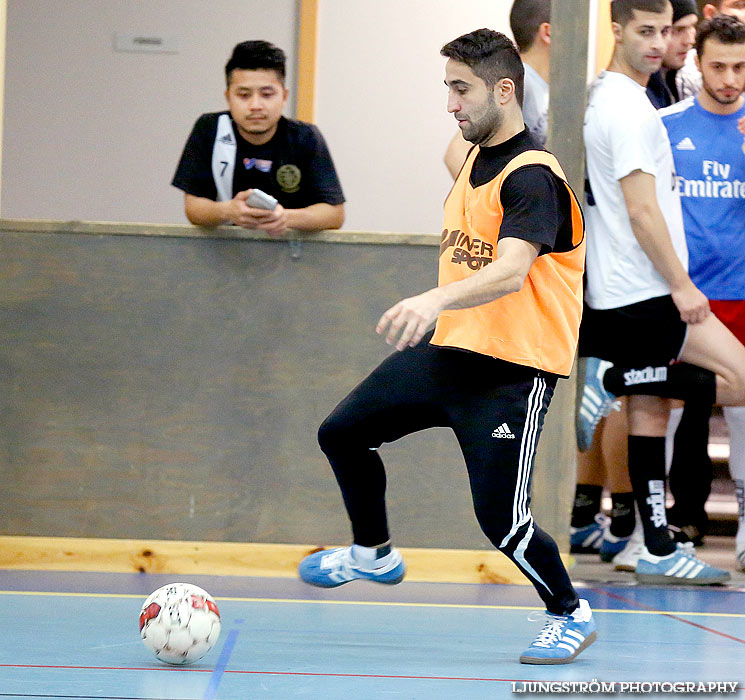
409	320
692	303
274	222
741	125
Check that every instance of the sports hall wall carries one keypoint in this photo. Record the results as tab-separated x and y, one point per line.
95	134
169	385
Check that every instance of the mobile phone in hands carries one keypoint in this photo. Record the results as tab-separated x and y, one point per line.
260	200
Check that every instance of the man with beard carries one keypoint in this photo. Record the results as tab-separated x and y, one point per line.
688	78
643	309
663	87
507	308
691	469
709	157
530	22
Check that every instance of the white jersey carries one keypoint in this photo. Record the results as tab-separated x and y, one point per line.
535	105
623	132
688	79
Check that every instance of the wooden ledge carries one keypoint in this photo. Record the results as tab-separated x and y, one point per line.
113	228
233	559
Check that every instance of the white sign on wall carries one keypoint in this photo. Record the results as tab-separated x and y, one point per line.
146	43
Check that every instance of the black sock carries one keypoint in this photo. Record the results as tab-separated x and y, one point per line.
647	472
677	381
623	515
383	551
586	504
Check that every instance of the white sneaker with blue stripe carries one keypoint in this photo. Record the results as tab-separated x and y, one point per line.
563	637
596	402
334	567
681	567
628	557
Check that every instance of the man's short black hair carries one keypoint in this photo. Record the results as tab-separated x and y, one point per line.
622	11
724	28
256	55
491	56
526	16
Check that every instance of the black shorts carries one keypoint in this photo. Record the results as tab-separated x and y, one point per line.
649	332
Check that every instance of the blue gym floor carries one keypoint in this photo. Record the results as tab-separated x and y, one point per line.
75	636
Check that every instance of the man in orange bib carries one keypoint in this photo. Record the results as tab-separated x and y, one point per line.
508	306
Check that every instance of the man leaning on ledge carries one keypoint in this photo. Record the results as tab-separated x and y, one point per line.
252	146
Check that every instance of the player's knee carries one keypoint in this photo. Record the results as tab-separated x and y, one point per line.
648	415
331	434
343	432
493	524
649	424
730	386
496	535
738	387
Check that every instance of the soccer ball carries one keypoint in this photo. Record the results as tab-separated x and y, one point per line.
179	623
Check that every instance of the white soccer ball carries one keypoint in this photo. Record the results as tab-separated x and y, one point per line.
179	623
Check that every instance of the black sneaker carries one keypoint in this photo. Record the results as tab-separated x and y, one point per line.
686	533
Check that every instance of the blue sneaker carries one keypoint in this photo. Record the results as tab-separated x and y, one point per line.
612	545
588	539
596	402
682	567
333	567
562	638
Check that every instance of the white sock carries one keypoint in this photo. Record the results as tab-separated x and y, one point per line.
672	425
735	417
367	557
740	494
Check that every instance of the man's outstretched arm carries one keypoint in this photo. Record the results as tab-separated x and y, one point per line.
410	318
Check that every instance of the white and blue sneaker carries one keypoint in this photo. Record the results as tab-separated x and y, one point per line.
612	545
562	638
682	567
333	567
588	539
628	557
596	402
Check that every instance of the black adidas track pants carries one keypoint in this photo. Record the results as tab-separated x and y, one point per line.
496	410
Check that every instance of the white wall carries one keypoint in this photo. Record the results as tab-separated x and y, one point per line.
94	134
381	103
91	133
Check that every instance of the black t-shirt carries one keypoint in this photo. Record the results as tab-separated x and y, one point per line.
294	166
661	89
536	203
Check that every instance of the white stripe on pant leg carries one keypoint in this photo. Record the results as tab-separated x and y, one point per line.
520	511
523	562
527	448
523	475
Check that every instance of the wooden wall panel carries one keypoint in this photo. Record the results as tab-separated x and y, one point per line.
171	388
